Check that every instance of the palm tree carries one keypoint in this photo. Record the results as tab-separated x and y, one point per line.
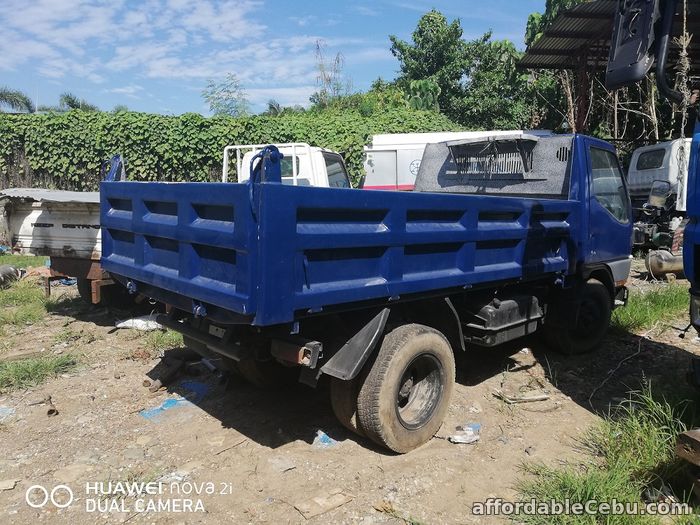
15	100
68	101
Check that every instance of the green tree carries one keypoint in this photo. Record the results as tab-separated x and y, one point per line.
274	108
437	53
226	97
424	94
15	100
496	93
478	84
120	108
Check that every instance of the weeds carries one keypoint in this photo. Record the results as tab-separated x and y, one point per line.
644	309
23	261
154	343
632	449
30	372
158	340
23	302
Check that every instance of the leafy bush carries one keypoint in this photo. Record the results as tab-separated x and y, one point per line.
65	150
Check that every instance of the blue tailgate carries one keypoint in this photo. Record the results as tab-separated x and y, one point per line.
196	240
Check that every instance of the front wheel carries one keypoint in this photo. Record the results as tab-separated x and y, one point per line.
591	325
407	391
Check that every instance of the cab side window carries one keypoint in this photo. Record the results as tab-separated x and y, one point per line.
337	178
607	185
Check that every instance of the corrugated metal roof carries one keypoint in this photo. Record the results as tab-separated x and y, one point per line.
44	195
583	34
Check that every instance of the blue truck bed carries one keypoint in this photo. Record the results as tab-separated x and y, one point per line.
290	251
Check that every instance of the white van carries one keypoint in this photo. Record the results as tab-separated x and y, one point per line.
660	161
302	165
392	160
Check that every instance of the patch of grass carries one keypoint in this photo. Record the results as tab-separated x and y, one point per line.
644	308
154	343
22	292
22	302
158	340
30	372
23	261
633	450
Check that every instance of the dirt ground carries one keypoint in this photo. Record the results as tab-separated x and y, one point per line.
257	448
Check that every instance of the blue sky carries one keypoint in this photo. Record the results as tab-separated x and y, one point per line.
156	55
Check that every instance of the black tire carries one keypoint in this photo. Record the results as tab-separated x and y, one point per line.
344	402
403	400
592	322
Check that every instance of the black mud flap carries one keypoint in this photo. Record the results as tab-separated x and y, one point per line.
348	361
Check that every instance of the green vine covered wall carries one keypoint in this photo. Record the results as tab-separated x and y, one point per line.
64	150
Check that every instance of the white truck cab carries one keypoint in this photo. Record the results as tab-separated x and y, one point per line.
302	165
662	162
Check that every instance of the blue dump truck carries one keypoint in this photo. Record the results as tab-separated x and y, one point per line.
501	237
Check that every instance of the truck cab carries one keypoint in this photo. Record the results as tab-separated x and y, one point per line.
659	162
302	164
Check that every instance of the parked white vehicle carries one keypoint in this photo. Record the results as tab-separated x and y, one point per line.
392	160
65	226
660	161
302	165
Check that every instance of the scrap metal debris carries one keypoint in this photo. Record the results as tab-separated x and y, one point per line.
512	400
8	274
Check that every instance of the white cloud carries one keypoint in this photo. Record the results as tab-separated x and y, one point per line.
129	42
130	91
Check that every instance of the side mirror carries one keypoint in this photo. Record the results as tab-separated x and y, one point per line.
638	40
658	194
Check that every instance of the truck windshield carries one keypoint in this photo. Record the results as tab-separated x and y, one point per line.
337	178
607	185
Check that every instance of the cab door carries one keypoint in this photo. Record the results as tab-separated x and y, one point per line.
610	211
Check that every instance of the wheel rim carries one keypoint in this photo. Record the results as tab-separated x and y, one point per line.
419	391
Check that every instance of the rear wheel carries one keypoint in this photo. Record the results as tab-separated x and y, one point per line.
344	403
407	391
592	322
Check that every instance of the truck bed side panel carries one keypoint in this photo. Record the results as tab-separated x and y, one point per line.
197	240
326	247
